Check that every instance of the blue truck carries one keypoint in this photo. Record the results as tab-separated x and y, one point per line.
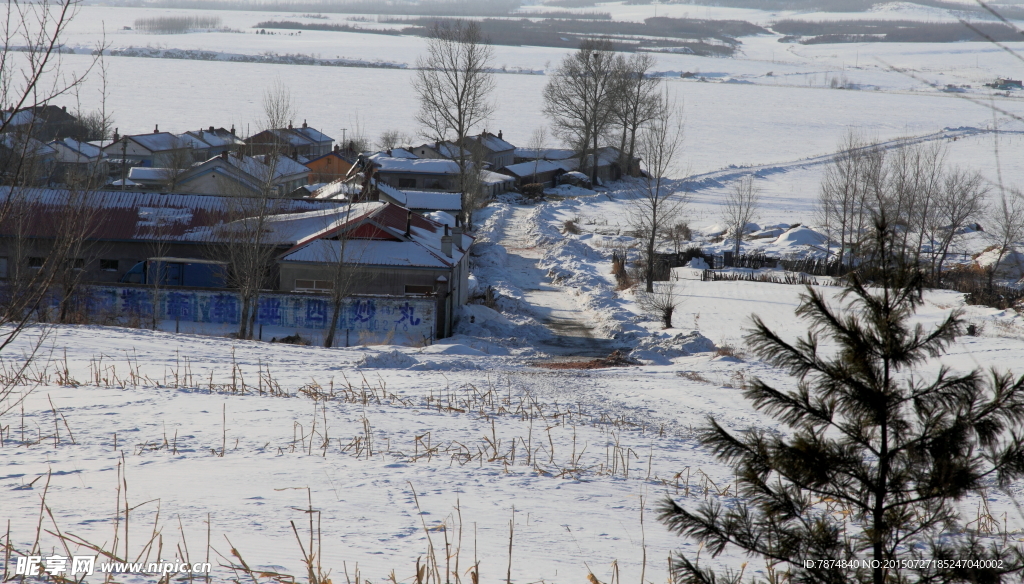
190	272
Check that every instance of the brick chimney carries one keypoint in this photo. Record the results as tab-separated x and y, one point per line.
116	135
304	124
446	242
156	129
499	135
232	129
457	236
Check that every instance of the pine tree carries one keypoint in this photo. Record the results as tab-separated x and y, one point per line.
876	458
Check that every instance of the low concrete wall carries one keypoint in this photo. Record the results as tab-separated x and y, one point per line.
366	318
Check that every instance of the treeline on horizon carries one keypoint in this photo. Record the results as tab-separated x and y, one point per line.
703	37
423	8
894	31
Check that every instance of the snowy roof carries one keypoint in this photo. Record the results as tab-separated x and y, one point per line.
432	200
492	142
191	141
445	149
422	248
415	165
19	118
217	138
494	178
294	228
545	153
525	169
285	166
27	144
402	153
145	173
159	141
83	148
368	252
134	215
291	137
314	135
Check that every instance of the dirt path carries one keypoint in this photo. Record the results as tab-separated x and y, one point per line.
551	304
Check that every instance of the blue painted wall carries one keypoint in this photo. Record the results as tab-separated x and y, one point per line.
412	317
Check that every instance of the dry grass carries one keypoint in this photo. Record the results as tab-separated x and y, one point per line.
616	359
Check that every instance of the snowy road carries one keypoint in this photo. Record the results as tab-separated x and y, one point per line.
551	304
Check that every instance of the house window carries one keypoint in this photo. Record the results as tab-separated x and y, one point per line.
313	285
406	183
108	265
36	262
419	289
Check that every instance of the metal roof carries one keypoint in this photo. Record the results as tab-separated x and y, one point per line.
133	215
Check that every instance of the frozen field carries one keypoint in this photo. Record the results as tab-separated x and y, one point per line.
218	444
771	103
360	452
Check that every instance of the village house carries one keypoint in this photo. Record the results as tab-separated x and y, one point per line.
78	162
329	167
417	173
441	150
156	150
25	160
395	252
122	228
226	174
494	150
302	141
543	172
217	140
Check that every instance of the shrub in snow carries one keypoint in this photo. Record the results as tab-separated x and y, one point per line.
393	359
659	350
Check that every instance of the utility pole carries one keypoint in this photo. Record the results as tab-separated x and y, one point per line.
124	161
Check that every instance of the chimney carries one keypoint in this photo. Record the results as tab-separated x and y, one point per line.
289	125
304	124
232	129
116	135
224	155
446	243
156	129
337	148
408	223
211	129
457	236
499	135
64	108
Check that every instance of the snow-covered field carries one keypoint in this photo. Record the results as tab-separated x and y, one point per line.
209	437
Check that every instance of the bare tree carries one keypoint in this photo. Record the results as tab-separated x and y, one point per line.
960	201
454	87
843	198
656	203
660	303
637	101
248	241
580	96
177	162
741	207
343	256
1006	219
278	109
537	143
391	139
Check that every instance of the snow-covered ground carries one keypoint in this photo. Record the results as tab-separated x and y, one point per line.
234	440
